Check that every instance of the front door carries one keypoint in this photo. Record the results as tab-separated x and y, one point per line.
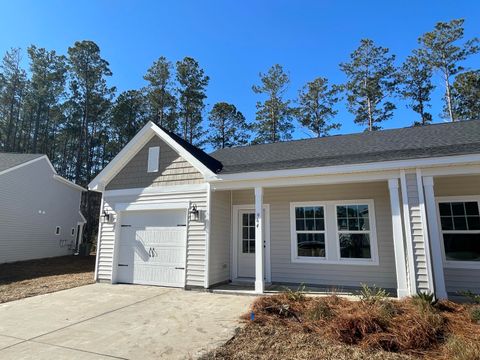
246	243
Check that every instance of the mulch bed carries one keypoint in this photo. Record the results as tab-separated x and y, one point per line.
287	326
34	277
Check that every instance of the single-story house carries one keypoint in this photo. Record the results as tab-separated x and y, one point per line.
39	210
395	208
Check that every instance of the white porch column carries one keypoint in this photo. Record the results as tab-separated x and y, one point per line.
400	263
435	239
259	250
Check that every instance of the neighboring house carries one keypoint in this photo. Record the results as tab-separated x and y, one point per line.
395	208
39	210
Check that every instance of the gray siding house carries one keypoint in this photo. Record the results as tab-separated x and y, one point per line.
395	208
39	210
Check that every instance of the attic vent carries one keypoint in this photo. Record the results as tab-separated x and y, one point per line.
153	159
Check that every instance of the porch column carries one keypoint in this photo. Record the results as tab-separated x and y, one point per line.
435	239
259	224
400	263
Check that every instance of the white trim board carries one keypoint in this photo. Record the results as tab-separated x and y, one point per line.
165	205
134	146
234	247
189	188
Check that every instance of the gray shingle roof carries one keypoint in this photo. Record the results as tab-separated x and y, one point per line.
444	139
9	160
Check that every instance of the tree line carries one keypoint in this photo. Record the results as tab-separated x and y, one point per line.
63	106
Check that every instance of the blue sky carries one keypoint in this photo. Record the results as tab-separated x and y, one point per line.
235	40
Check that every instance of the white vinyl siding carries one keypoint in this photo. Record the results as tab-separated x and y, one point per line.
334	275
459	186
29	216
196	234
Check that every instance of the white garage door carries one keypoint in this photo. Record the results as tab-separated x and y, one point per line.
152	248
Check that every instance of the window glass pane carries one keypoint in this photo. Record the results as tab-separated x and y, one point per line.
459	223
471	208
252	246
462	247
363	211
252	232
251	221
309	224
245	232
245	219
312	245
299	213
353	224
300	224
309	212
447	223
364	223
355	246
342	223
445	209
341	211
245	246
319	224
352	211
473	222
458	208
319	212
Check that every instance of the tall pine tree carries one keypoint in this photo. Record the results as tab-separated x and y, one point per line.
371	75
466	96
227	126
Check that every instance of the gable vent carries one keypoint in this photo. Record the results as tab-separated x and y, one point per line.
153	159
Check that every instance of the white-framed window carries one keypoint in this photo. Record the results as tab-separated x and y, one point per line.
308	231
153	159
73	232
460	230
334	232
58	230
354	234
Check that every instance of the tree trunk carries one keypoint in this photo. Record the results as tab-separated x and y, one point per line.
448	95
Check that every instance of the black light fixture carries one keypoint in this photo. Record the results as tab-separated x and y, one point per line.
193	213
106	216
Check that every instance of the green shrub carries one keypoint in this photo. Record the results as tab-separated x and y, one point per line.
475	314
424	299
321	310
372	294
475	298
295	295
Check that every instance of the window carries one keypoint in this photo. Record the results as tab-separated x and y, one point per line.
248	233
73	232
310	231
153	159
460	224
57	230
353	228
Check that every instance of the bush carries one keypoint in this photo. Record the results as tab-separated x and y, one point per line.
295	295
427	298
475	298
321	310
475	314
372	294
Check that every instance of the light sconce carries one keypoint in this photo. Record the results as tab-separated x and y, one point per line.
106	217
193	213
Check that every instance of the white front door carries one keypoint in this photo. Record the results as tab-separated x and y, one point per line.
246	244
152	247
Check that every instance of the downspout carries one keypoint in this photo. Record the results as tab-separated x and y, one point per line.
97	255
207	235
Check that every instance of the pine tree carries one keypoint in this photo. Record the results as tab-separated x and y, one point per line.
162	102
416	86
316	106
371	75
440	49
466	96
274	115
191	86
227	126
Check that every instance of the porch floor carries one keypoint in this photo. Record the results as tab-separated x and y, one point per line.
275	288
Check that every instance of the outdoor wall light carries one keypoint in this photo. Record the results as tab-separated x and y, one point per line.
106	217
193	213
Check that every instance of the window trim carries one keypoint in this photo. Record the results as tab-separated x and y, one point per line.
331	232
455	264
373	260
59	228
293	233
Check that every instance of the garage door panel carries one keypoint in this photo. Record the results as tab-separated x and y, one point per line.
152	248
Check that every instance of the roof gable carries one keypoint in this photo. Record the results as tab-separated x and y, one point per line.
8	161
204	163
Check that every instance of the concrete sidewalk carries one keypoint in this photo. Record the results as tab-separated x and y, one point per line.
102	321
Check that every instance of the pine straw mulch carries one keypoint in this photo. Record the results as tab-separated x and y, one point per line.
35	277
337	328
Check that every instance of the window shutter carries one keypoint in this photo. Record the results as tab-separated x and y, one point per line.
153	159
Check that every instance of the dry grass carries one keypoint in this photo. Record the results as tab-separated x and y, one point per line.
336	328
30	278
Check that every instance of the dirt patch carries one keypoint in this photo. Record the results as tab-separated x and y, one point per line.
336	328
30	278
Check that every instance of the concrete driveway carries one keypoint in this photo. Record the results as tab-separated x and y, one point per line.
103	321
